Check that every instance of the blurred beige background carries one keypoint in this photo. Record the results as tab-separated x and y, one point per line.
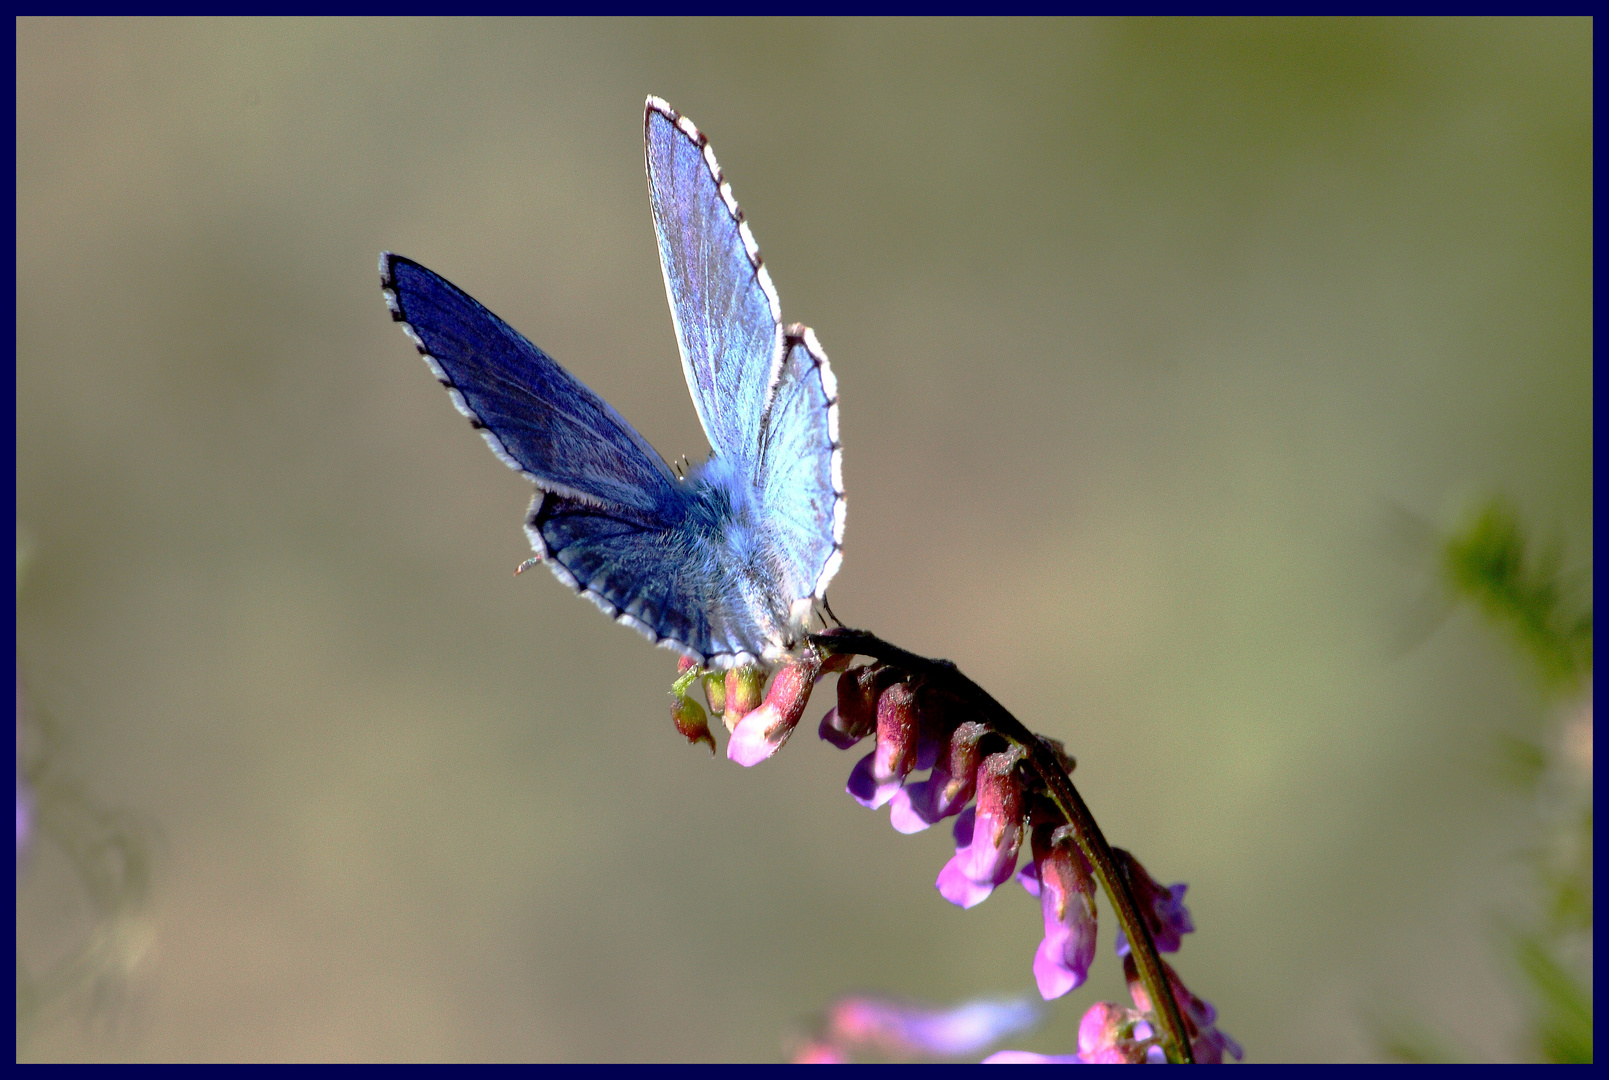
1142	331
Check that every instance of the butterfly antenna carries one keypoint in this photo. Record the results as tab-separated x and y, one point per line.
830	612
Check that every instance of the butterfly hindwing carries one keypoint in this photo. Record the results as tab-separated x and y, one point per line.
800	474
721	298
656	581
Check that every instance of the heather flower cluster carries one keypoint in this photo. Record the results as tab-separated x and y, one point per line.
1001	807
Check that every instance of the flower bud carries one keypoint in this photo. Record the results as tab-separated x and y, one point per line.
1207	1044
1112	1035
948	788
1067	899
1161	907
745	686
761	733
855	716
688	716
987	838
896	730
833	662
715	691
880	773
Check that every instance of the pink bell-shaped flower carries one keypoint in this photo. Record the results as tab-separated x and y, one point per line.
988	837
880	773
947	789
761	733
1060	877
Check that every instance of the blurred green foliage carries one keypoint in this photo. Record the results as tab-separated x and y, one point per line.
1564	1021
1489	563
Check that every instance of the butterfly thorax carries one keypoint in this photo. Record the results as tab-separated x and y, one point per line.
744	564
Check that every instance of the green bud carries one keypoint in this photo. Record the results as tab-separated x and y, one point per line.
745	689
715	691
688	716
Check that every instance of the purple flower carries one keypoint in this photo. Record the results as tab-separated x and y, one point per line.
1028	1057
1108	1035
880	773
948	788
1161	907
903	1029
987	838
833	729
1112	1035
1207	1043
1028	878
1067	898
855	716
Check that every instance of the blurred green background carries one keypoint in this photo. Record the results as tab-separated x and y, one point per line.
1150	336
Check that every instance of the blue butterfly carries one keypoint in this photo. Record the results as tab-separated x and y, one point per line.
725	564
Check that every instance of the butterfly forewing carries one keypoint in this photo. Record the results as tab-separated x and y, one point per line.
611	520
537	417
721	299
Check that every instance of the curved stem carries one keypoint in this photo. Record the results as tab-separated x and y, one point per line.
1067	799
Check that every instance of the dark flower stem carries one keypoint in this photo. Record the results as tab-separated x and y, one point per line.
1059	785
